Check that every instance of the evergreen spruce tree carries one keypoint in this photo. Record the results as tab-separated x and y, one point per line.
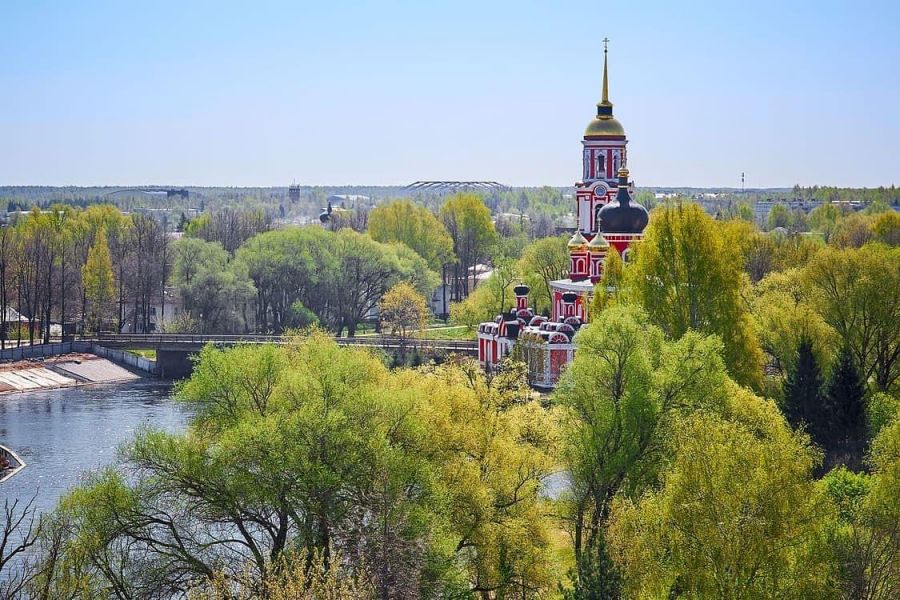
803	393
596	576
844	400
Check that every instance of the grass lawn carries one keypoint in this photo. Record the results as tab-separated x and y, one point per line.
447	333
148	354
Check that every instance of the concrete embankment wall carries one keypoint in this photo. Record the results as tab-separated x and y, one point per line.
124	357
45	350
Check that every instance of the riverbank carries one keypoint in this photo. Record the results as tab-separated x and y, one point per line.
65	370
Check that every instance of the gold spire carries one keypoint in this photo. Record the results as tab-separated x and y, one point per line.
604	125
605	100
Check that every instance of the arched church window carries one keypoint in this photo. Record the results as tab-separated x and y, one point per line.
600	168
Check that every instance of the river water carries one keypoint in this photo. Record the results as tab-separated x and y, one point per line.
62	434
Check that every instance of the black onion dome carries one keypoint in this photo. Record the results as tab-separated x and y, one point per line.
623	215
521	290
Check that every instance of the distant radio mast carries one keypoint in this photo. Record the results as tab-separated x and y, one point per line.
742	182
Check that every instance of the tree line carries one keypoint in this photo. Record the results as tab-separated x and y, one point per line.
61	265
729	428
101	269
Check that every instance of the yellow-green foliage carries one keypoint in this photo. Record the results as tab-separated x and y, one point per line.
290	578
784	314
488	300
610	283
99	285
403	310
543	261
687	277
416	227
855	292
432	477
737	516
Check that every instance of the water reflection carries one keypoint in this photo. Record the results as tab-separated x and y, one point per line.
63	433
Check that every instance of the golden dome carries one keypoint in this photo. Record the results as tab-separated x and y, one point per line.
598	243
604	126
577	243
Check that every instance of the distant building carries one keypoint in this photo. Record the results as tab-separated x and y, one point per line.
12	316
764	207
161	317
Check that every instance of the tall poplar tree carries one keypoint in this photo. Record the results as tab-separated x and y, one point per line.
99	284
468	221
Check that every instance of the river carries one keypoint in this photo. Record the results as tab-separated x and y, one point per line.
63	433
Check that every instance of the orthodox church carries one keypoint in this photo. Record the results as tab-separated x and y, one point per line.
605	217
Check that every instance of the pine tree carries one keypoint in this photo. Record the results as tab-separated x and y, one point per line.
803	393
844	399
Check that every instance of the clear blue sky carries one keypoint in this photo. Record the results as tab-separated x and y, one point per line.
265	93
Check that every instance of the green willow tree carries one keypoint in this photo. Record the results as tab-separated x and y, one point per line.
737	516
687	278
621	396
784	315
416	227
855	291
213	288
430	481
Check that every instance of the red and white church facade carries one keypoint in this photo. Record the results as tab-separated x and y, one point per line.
606	217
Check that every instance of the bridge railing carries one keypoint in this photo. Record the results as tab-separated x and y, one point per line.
154	340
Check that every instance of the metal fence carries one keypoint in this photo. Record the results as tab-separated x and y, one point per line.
42	350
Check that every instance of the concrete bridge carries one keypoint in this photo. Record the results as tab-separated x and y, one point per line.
173	350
